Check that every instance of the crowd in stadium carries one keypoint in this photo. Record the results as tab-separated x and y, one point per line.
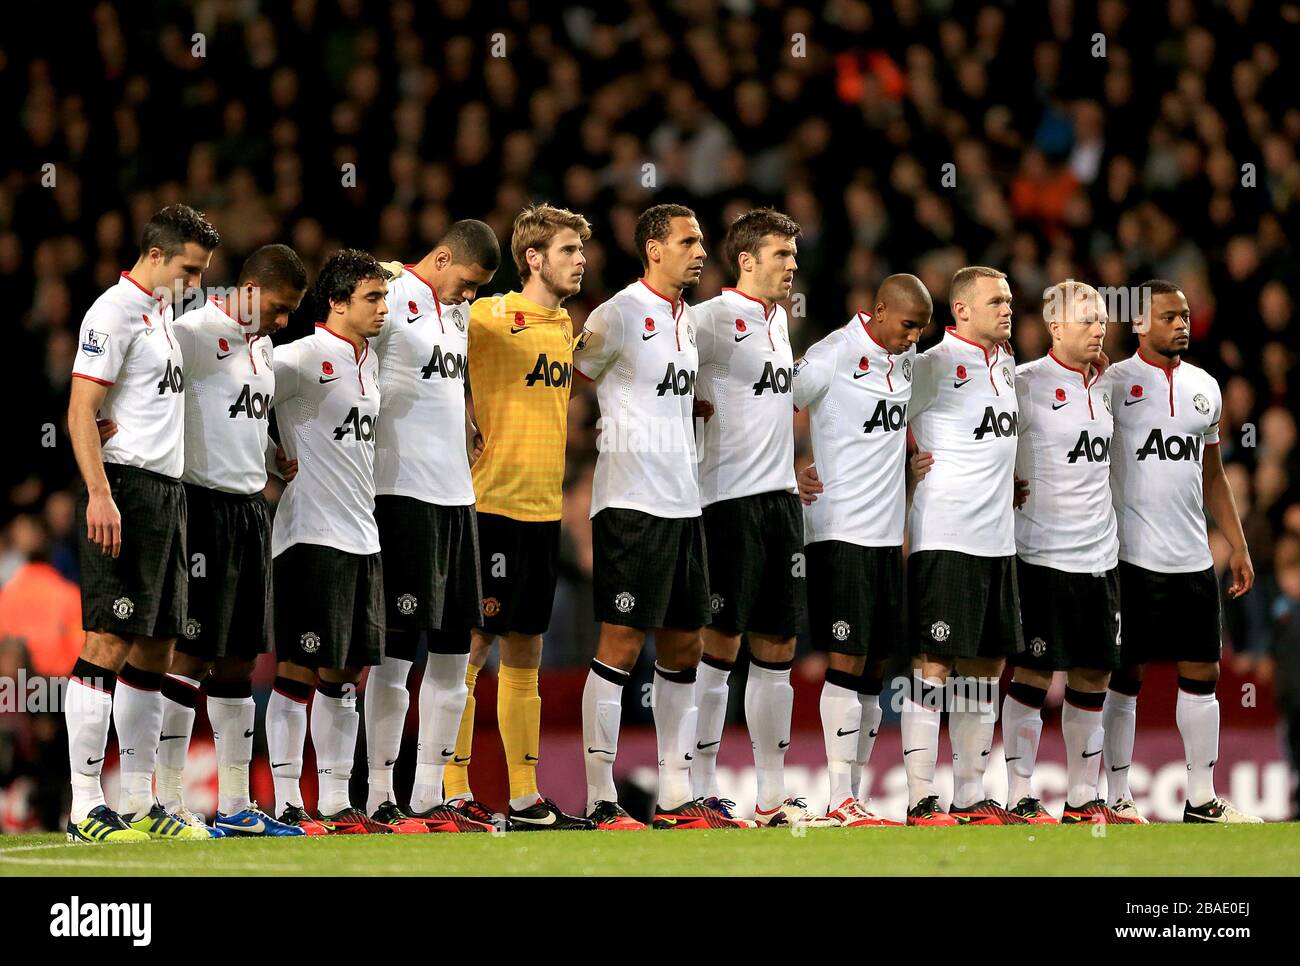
1108	142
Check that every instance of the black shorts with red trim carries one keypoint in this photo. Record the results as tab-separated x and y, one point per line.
857	599
649	572
519	566
1169	617
329	607
141	592
1071	620
431	565
230	595
962	605
757	585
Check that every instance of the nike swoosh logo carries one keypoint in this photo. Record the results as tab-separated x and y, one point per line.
447	753
323	380
1089	754
859	375
742	338
958	385
646	336
248	733
390	762
460	761
220	356
783	744
690	757
549	820
872	734
598	751
701	745
94	761
530	758
170	737
1118	767
984	754
908	751
280	764
1056	406
516	330
257	828
1015	757
845	734
413	318
1130	402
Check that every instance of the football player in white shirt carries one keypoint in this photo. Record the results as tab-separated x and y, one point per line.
857	385
424	508
329	595
961	581
748	493
131	527
1166	472
1067	556
651	572
227	347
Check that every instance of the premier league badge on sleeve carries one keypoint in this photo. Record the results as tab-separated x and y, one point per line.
94	344
583	340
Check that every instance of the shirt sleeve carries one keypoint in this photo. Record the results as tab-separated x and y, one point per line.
1211	434
925	384
813	373
287	378
705	343
1024	402
105	343
600	343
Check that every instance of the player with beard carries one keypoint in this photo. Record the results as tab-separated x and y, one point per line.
1166	472
521	369
650	566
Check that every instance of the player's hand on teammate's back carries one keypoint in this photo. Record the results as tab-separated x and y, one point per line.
475	447
286	467
809	484
1021	493
107	430
703	409
920	465
104	524
1243	573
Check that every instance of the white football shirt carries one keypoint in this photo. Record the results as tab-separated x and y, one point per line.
230	384
1164	419
857	395
326	402
963	410
126	343
420	438
639	347
746	368
1065	430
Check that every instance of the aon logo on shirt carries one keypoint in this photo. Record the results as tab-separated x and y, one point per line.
773	380
551	374
679	382
172	379
1171	448
251	404
361	427
999	424
1094	449
886	417
448	365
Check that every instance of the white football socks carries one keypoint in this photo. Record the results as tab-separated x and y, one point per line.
971	730
334	723
602	713
443	693
1081	728
1197	715
872	714
386	702
179	699
286	732
711	694
919	723
87	711
1022	729
769	704
232	720
1119	721
673	698
137	718
841	714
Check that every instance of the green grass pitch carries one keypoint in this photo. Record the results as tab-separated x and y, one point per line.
1040	850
